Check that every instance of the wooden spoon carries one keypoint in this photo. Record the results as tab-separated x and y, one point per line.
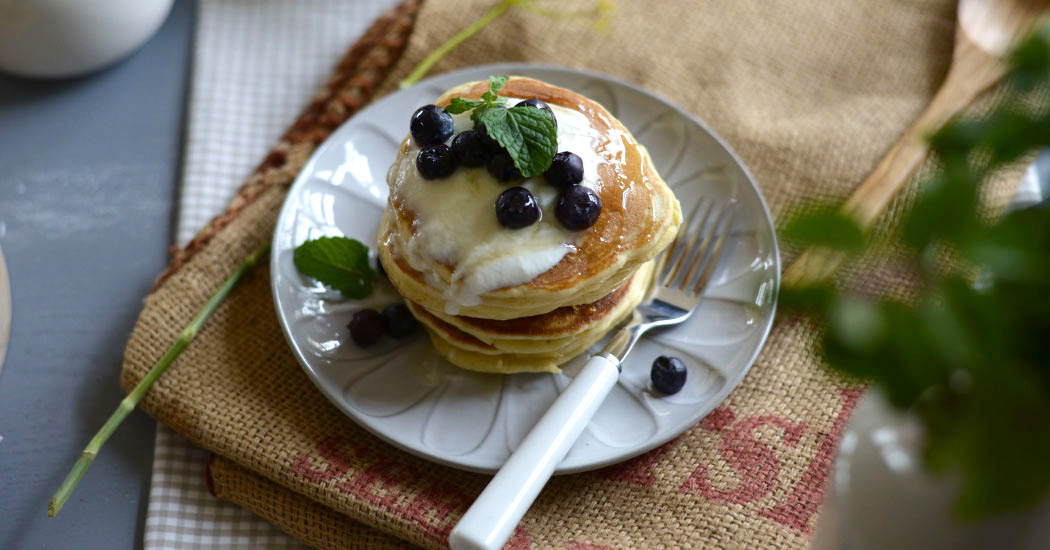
986	30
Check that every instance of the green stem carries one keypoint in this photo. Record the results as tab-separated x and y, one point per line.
128	403
459	38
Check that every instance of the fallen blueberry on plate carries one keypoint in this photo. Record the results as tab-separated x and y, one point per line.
668	374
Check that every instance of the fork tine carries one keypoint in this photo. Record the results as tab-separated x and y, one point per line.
691	235
716	252
674	251
699	252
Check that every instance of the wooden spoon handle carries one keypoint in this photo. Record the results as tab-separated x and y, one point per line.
972	72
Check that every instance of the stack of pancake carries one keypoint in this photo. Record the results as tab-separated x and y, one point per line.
505	300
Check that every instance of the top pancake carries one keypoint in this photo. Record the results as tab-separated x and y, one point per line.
639	217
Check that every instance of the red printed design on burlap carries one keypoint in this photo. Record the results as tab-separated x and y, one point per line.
755	464
759	469
800	505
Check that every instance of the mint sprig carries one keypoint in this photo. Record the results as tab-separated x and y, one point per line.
338	262
528	134
488	99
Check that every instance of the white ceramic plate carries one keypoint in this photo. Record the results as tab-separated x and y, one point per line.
403	392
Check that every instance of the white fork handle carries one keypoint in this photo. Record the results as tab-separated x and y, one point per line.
491	519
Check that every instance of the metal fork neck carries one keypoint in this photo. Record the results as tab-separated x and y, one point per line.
623	342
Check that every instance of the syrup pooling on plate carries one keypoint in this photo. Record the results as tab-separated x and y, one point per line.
455	223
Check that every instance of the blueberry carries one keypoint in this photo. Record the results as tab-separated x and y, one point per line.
435	162
469	150
491	145
367	327
539	105
517	208
430	124
578	208
566	169
501	167
668	374
399	320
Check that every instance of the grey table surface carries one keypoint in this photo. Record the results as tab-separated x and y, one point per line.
88	172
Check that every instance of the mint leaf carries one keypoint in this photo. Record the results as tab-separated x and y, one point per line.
492	97
528	134
461	105
339	262
479	112
496	83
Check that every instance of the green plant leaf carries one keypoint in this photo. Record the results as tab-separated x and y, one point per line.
1030	60
966	348
946	209
813	299
857	324
1001	130
958	136
529	135
339	262
1015	249
826	228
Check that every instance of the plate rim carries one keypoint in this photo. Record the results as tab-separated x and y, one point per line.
508	67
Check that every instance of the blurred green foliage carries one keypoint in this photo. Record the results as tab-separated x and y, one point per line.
969	353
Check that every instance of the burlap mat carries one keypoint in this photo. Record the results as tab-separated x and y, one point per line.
810	94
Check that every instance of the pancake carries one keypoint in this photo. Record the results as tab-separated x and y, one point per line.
532	344
443	249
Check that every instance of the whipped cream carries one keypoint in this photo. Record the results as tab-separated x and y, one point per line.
456	222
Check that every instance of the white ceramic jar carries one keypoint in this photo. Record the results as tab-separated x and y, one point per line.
62	38
881	497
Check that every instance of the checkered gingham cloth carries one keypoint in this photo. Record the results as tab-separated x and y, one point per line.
255	66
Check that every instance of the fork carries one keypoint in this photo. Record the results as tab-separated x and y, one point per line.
688	266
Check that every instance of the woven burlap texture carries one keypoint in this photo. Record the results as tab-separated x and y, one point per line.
809	93
314	524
